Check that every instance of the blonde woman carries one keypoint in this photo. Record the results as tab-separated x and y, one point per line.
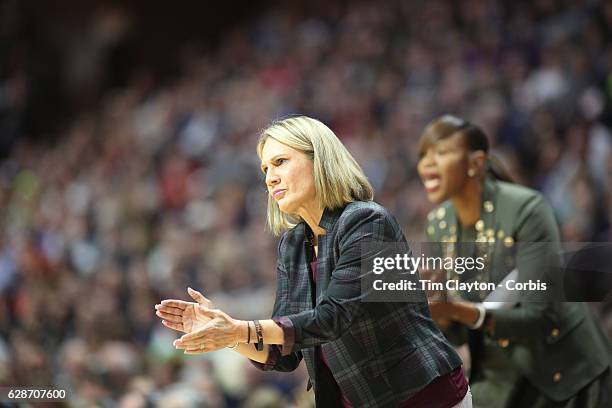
358	354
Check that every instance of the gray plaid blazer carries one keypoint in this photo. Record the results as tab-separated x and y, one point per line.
379	353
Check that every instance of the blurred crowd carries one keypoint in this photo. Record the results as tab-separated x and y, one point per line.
159	187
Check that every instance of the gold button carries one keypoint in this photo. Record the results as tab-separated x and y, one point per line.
508	241
500	234
442	224
557	377
480	225
440	213
554	332
490	232
431	216
503	343
488	206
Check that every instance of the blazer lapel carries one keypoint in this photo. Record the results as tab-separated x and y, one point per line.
306	280
322	277
328	221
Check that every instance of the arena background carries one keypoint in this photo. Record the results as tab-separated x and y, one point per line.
128	170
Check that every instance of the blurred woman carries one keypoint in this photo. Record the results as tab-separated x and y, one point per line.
526	354
358	354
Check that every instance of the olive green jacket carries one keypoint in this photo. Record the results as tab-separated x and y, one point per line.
558	346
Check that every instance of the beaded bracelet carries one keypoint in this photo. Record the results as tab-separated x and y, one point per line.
259	333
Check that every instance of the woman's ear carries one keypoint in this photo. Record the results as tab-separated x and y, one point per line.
477	162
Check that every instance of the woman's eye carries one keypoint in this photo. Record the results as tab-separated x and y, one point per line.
280	161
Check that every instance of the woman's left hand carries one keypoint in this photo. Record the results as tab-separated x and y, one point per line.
221	331
184	316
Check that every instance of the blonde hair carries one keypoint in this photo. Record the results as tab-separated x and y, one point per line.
338	179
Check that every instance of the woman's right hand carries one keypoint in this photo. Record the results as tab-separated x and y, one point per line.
440	313
434	276
184	316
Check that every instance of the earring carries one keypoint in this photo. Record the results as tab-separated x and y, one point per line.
471	172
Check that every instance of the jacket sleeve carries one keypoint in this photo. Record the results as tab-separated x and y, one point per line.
278	361
456	333
538	249
343	301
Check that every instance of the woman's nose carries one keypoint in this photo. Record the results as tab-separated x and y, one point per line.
427	160
272	178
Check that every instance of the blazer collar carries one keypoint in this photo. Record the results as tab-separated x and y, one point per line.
488	203
329	217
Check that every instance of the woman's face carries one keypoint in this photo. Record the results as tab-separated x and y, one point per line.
289	177
443	168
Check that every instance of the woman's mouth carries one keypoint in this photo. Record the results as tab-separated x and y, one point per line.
277	193
431	183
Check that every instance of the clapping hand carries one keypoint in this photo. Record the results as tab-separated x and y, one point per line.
220	331
206	328
184	316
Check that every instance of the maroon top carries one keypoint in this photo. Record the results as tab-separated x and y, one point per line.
313	268
445	391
